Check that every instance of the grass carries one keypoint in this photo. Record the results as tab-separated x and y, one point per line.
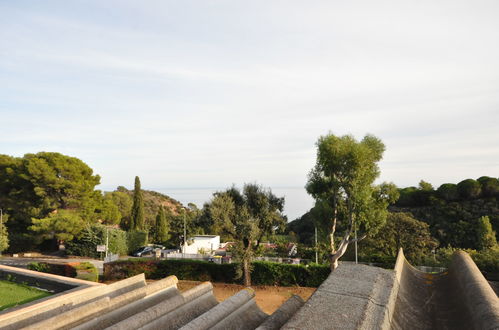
13	294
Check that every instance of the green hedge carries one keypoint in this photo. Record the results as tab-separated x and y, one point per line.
263	273
86	243
80	270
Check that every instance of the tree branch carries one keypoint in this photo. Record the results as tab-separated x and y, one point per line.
357	239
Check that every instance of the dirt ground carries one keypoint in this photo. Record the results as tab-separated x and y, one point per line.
268	298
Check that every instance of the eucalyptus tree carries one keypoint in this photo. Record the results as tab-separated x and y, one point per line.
246	217
343	177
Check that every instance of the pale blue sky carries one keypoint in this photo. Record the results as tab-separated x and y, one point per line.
204	94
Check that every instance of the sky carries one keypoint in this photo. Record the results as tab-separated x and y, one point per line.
195	96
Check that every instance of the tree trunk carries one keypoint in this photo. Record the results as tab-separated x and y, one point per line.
336	255
246	272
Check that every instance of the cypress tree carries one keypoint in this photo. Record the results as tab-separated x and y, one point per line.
161	226
137	216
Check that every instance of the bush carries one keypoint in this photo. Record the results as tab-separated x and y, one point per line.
486	260
84	270
20	242
263	273
136	239
86	243
42	267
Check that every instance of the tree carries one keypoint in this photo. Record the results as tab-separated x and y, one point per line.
62	225
267	208
161	229
59	181
469	189
246	217
124	203
343	177
402	230
4	235
425	186
137	215
37	184
485	235
108	211
490	186
448	191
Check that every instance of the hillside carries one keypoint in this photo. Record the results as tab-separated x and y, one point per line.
152	202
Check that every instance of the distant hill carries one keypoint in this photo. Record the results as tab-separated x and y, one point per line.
152	202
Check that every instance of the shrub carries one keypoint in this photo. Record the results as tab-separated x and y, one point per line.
486	260
263	273
86	243
136	239
42	267
84	270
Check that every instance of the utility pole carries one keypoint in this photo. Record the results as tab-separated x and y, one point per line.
107	240
355	228
316	254
185	237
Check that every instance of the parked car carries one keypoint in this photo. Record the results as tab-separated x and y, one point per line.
149	250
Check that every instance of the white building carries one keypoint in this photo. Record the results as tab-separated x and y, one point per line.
202	244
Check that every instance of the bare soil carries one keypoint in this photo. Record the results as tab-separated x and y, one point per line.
268	298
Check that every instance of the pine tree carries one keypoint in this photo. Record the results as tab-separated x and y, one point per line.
161	226
137	217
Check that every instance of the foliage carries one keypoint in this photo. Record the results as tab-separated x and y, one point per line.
448	192
343	179
246	217
136	239
469	189
42	267
4	235
59	181
108	212
86	271
61	224
401	231
161	229
123	202
81	270
486	237
490	186
137	215
86	242
36	185
486	260
152	201
263	273
191	216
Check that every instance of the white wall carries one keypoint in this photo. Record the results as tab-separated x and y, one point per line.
209	244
